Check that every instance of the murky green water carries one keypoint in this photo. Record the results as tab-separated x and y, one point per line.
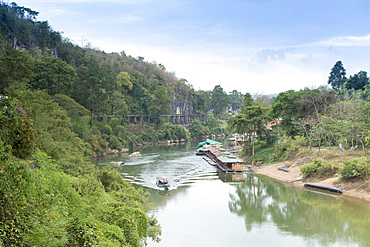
205	207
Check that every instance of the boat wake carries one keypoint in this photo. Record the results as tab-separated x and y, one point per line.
185	179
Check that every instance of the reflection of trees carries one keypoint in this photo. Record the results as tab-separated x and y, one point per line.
250	197
317	218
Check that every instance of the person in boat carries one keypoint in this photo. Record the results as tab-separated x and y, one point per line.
162	181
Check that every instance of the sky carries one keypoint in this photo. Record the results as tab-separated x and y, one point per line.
252	46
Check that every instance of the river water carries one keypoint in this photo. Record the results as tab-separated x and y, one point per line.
205	207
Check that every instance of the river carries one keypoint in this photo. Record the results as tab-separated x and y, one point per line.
204	207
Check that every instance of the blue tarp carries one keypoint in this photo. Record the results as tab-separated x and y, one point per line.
208	141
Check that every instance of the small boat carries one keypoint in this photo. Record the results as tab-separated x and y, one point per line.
162	182
283	169
322	187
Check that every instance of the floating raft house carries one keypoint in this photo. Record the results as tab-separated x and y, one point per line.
216	155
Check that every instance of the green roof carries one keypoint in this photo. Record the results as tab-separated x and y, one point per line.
208	141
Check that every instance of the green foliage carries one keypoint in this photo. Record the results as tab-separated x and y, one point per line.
36	204
82	127
283	149
16	69
358	81
211	122
71	106
202	101
261	154
355	168
279	152
114	142
319	168
46	207
197	129
309	170
252	120
123	79
53	127
54	75
337	76
19	27
17	130
159	106
236	100
219	101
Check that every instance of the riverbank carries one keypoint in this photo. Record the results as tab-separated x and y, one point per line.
357	189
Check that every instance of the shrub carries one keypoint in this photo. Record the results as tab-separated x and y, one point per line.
355	168
308	170
114	142
282	151
319	168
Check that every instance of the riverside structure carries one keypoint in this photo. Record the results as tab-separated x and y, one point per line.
216	155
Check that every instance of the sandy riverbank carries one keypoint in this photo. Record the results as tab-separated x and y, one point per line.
294	177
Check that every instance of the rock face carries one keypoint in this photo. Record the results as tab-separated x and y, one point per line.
134	154
116	163
181	106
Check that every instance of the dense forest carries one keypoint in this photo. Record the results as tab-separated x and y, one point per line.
61	104
91	85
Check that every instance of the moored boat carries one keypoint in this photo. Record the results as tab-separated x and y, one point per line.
322	187
283	169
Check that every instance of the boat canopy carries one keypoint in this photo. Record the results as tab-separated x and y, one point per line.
208	141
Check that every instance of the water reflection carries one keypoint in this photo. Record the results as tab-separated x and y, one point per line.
319	219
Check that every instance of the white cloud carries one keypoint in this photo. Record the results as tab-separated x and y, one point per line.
129	19
347	41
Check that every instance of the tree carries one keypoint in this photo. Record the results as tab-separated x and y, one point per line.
70	105
54	75
92	86
202	101
251	120
16	69
123	79
315	101
337	76
358	81
197	129
236	100
16	128
349	117
286	108
159	105
219	100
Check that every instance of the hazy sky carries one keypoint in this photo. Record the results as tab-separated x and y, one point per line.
255	46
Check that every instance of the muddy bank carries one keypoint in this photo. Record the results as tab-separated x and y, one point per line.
294	177
358	189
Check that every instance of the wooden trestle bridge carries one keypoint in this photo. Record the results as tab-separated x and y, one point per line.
180	119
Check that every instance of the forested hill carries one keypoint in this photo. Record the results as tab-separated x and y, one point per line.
91	84
103	83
